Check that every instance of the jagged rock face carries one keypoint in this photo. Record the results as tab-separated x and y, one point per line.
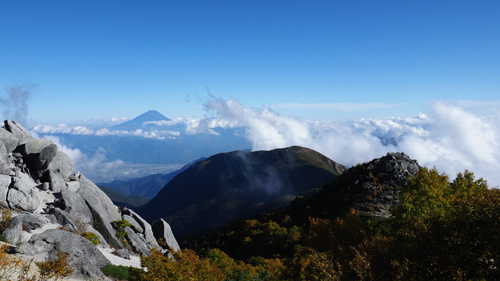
19	133
371	188
162	230
75	205
5	182
4	163
21	195
141	233
8	139
53	207
381	182
394	167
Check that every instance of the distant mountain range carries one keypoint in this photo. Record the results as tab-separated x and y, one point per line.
138	191
150	138
230	186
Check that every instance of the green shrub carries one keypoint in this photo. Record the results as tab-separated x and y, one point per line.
119	226
92	237
117	271
2	238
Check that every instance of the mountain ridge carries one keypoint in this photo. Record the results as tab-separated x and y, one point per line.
231	185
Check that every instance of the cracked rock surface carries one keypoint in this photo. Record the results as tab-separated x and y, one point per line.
52	207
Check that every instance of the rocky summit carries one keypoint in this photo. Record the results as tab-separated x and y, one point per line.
371	188
53	209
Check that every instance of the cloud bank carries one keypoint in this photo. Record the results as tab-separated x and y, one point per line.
450	137
83	130
151	129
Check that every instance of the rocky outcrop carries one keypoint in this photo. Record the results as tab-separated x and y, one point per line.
21	195
4	160
85	258
14	232
381	181
19	133
163	232
104	212
53	208
8	140
5	182
145	229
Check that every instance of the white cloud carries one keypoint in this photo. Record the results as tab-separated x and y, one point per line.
119	119
152	134
83	163
164	122
62	129
82	130
450	137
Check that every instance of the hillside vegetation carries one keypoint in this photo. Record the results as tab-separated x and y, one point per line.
440	230
231	186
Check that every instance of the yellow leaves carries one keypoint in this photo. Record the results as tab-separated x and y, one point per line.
187	266
13	268
311	264
92	237
217	265
56	269
5	218
162	243
251	223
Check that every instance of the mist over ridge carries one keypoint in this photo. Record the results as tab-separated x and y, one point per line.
451	137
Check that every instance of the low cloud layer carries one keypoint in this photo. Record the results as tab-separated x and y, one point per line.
83	130
450	138
151	129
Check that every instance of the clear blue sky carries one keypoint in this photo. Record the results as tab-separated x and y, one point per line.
102	59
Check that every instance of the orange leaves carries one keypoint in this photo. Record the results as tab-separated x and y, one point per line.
187	266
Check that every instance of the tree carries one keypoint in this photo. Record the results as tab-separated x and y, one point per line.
447	230
186	265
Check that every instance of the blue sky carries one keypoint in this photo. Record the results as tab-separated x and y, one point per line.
320	60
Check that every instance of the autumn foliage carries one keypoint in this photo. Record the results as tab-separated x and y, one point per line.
441	230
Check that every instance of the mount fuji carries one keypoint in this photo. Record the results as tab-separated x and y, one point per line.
142	121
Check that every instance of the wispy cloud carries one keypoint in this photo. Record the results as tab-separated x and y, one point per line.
343	107
15	105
